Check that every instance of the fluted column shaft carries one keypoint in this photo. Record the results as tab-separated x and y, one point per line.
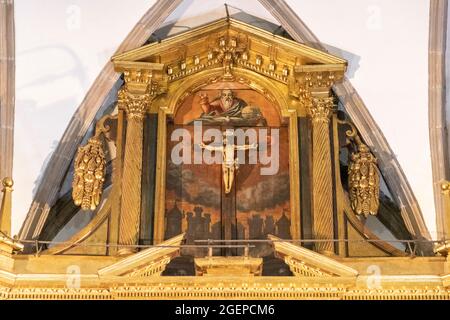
320	111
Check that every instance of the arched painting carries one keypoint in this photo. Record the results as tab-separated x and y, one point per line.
227	168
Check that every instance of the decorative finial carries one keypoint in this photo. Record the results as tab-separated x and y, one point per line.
8	182
445	187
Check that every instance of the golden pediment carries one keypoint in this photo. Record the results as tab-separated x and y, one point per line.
148	262
232	44
307	263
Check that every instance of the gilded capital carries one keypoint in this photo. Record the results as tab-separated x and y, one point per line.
135	105
321	109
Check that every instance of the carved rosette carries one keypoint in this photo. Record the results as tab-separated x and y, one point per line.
89	174
364	182
321	109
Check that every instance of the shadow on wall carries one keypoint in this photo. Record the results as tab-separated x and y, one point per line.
41	107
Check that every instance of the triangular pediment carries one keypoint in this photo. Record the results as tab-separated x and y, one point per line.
307	263
257	49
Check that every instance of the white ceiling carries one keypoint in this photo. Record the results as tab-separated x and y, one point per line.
63	44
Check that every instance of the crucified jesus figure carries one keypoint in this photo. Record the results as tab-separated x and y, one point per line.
229	163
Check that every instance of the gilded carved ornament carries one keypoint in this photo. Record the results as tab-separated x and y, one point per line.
445	187
321	109
363	176
229	51
304	262
364	182
135	105
311	87
306	80
154	268
90	169
301	269
141	87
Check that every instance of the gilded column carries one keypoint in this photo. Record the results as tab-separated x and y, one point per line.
321	109
135	107
144	81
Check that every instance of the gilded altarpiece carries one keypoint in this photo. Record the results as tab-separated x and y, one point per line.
226	75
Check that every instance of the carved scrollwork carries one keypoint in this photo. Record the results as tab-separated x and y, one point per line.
363	176
90	170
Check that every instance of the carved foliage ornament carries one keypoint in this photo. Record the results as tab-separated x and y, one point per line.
364	182
135	105
227	53
306	82
363	176
90	170
230	51
89	174
321	109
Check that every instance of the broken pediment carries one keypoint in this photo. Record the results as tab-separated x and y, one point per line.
307	263
148	262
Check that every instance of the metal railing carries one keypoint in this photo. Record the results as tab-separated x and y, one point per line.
246	244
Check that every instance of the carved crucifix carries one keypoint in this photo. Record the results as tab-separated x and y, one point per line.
229	166
229	163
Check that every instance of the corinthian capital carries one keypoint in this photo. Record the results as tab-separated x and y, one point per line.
135	105
321	109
